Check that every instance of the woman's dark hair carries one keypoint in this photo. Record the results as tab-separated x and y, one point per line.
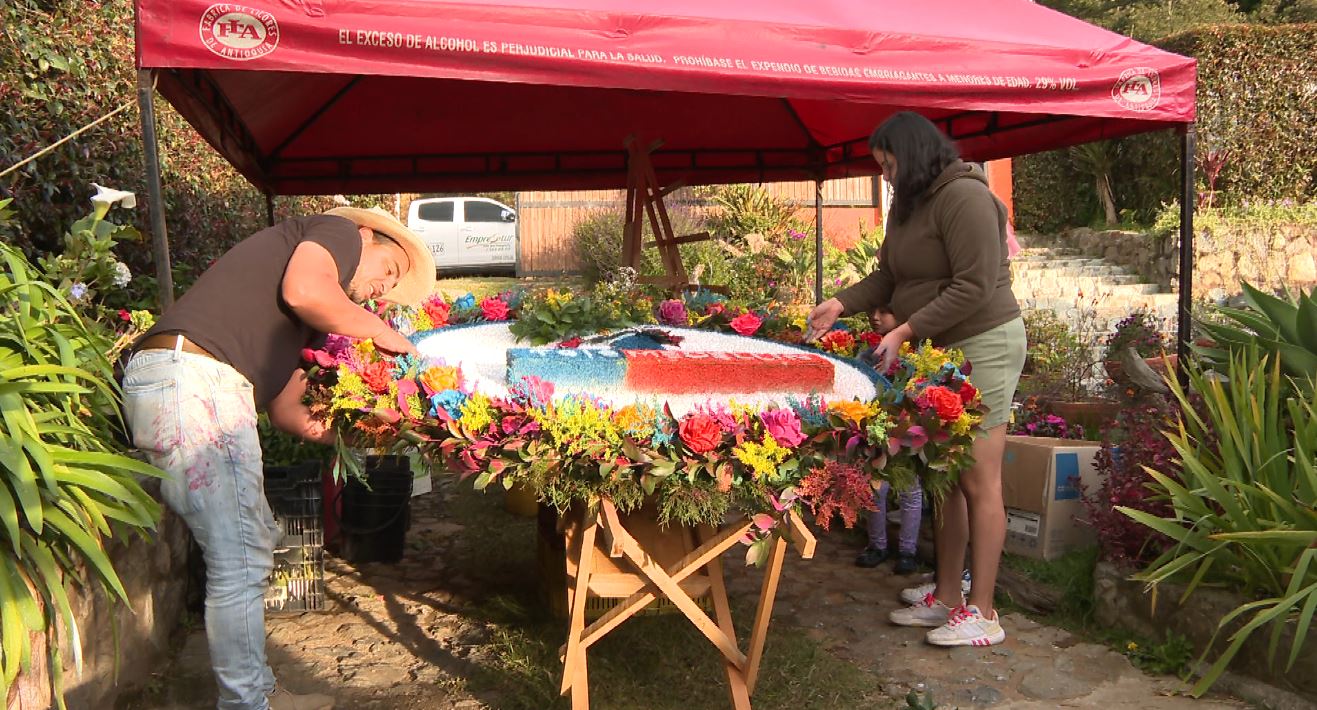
922	152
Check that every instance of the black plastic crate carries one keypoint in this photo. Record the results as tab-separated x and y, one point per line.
297	583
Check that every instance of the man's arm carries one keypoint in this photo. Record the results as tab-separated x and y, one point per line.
289	414
311	288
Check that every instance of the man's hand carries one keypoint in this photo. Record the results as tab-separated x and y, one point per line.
390	340
288	414
822	318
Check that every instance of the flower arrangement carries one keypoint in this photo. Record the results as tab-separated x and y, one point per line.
823	456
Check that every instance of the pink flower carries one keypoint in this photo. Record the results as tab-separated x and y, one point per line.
672	312
494	309
746	323
916	437
406	387
784	426
125	315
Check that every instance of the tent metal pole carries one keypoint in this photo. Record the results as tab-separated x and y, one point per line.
1184	326
269	209
155	197
818	242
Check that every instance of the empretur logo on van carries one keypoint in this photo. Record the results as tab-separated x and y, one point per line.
1138	89
238	32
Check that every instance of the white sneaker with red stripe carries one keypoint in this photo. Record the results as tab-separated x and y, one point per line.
967	626
928	612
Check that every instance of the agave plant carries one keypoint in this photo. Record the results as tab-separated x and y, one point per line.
1245	502
64	488
1285	327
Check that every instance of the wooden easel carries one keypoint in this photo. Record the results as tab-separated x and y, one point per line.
644	201
598	547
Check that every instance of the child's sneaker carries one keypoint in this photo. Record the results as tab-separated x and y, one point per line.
915	595
967	626
928	612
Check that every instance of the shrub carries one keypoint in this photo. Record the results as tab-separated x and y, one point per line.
65	484
1138	330
1058	362
1133	442
746	209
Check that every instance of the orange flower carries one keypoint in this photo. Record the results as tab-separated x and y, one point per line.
438	379
851	410
946	402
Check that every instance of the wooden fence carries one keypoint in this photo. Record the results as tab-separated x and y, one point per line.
545	219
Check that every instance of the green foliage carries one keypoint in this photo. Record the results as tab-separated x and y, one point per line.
67	63
282	449
551	316
1286	329
746	209
1255	104
1169	656
1255	136
64	486
1058	362
1245	502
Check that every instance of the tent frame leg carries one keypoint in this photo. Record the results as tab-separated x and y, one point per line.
155	197
818	242
1184	324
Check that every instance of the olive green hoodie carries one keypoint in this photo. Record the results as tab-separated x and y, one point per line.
945	271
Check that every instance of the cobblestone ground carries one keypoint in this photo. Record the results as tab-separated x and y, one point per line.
413	635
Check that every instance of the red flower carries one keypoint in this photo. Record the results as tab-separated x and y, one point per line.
700	432
572	342
968	392
870	338
377	376
125	315
438	310
840	342
747	323
714	309
494	309
946	402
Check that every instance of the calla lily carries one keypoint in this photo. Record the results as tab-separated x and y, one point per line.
106	197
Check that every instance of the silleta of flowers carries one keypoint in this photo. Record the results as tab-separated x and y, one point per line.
720	458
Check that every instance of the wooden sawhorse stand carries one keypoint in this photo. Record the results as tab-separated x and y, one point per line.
594	542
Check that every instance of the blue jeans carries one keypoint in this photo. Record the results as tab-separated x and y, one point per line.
195	418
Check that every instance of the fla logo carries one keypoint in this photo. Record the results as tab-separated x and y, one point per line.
1138	89
238	32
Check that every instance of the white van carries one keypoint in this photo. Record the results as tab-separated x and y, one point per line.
468	233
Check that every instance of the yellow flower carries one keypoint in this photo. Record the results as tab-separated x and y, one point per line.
476	413
350	392
853	410
421	321
964	423
556	298
762	459
438	379
366	349
636	420
1131	646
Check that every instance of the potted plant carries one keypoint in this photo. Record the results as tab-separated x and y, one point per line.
1060	370
1137	331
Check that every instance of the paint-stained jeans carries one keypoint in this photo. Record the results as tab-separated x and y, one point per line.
195	418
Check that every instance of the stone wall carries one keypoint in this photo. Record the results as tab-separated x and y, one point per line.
154	573
1122	603
1271	257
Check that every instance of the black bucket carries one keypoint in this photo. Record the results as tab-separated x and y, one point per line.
375	519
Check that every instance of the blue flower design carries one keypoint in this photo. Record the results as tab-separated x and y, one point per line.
467	301
450	401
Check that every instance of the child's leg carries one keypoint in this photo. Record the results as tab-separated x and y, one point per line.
912	504
878	519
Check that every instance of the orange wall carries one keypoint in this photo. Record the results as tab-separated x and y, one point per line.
999	181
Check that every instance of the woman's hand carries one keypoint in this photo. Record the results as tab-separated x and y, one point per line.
890	347
882	321
822	317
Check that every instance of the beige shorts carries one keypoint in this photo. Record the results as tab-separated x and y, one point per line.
996	358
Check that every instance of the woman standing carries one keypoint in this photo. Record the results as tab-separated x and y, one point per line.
944	275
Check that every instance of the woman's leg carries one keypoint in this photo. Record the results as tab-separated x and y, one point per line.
878	518
981	485
950	536
912	506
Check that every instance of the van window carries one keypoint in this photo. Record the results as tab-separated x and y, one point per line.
484	212
436	212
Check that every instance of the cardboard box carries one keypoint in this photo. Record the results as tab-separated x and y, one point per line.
1042	482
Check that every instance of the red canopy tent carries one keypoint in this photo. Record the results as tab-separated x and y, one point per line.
354	96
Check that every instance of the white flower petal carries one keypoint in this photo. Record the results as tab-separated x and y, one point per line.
109	196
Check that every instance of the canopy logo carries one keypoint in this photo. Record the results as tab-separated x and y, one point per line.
238	32
1138	89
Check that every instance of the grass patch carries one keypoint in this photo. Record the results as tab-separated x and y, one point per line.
1071	576
482	286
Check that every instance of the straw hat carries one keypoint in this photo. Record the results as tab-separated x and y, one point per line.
418	281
